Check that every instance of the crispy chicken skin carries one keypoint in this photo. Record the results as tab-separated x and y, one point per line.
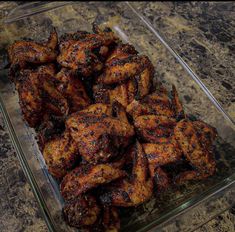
134	190
130	74
159	154
86	177
98	136
155	103
199	156
37	94
83	52
23	52
60	154
82	211
153	128
72	89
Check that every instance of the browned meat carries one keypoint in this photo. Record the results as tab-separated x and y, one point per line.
72	89
199	156
82	211
86	177
37	95
60	155
83	51
24	52
98	136
134	190
132	75
152	128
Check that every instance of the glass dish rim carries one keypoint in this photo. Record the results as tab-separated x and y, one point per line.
187	204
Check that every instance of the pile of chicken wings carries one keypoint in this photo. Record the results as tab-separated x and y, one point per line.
106	133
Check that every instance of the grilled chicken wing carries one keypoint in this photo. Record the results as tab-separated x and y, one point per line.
37	94
155	103
153	128
130	73
50	128
82	211
83	52
60	155
132	191
199	156
86	177
72	88
98	136
23	52
33	87
159	154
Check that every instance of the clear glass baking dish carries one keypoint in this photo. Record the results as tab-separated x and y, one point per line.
209	197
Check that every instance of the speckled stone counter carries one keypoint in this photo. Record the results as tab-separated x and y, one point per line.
205	38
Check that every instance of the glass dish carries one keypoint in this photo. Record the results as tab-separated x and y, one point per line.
197	100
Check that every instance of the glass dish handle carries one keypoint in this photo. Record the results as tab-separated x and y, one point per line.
28	9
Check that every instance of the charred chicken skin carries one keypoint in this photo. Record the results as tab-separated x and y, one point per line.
86	177
38	95
127	76
135	190
24	52
82	212
73	90
98	136
83	52
198	154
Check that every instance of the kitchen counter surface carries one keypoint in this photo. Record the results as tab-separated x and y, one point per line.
203	34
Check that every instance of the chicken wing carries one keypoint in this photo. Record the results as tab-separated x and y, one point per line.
127	76
82	211
60	155
86	177
38	95
95	135
152	128
23	52
197	154
155	103
72	88
83	53
131	191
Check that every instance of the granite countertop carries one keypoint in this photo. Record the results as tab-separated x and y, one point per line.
203	34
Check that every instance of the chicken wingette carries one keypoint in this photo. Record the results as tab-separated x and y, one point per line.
134	190
127	76
60	154
83	52
23	53
86	177
72	89
98	136
198	154
38	95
